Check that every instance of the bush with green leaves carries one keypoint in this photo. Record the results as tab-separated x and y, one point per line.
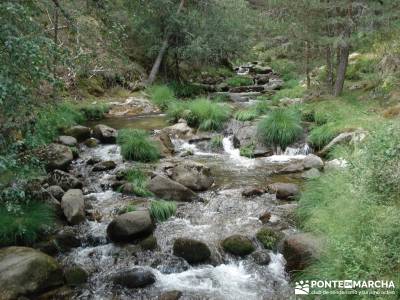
162	96
139	182
22	224
238	81
281	127
95	111
161	210
136	145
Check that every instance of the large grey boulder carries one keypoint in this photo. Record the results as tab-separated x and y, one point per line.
312	161
130	227
133	278
344	138
67	140
79	132
284	191
73	206
65	180
164	143
180	130
57	156
300	250
191	250
168	189
25	271
105	134
104	166
192	175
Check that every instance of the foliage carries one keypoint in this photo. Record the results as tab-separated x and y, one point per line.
361	67
185	89
216	142
23	223
247	151
246	114
238	80
292	89
136	145
201	113
128	208
162	210
95	111
139	182
162	96
280	127
268	237
285	67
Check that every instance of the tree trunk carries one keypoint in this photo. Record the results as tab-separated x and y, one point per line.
341	69
308	64
329	69
161	53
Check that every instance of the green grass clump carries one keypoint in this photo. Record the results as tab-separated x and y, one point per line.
95	111
162	210
285	67
185	89
216	142
281	127
207	115
356	211
247	151
136	145
246	114
23	223
292	89
50	121
268	238
162	96
126	209
139	182
238	80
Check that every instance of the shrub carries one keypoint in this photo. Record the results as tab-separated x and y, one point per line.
136	145
285	67
268	238
185	89
216	142
176	111
322	135
246	114
280	128
95	111
247	151
139	182
162	210
239	81
262	107
162	96
23	223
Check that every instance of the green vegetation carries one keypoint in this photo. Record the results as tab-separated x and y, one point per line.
291	89
280	127
136	145
247	151
127	208
23	223
246	114
238	80
139	182
95	111
200	113
162	96
185	89
268	238
216	142
356	210
162	210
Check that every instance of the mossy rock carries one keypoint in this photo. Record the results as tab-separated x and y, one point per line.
149	243
76	275
238	245
191	250
268	237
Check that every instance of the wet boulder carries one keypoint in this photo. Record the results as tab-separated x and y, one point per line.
265	217
57	156
344	138
292	167
25	271
130	227
164	144
238	245
105	134
104	166
300	250
79	132
312	161
133	278
75	275
261	257
180	130
168	189
67	239
91	142
252	192
65	180
56	191
192	175
192	251
67	140
284	191
170	295
73	206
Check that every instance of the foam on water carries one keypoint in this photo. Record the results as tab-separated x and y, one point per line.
234	154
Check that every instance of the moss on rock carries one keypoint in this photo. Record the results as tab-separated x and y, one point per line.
238	245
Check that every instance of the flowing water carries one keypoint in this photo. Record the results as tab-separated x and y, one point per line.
223	212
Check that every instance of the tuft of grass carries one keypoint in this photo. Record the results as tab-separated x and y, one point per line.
247	151
162	96
281	127
238	80
291	89
285	67
268	238
23	223
216	142
162	210
95	111
136	145
126	209
139	182
185	89
246	114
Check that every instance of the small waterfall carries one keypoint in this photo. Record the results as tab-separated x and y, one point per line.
305	150
234	153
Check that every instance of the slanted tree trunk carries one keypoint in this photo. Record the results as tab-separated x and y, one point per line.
341	69
329	69
161	53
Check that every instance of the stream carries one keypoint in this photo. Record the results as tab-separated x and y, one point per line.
223	212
